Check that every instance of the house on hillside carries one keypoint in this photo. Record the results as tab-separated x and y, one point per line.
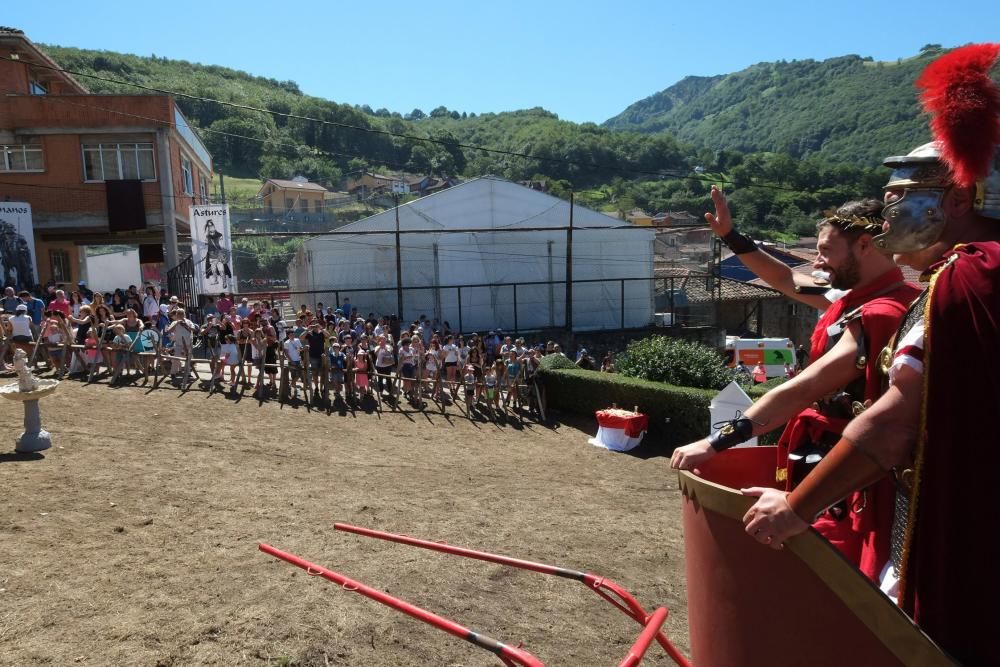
428	185
83	169
639	217
676	219
369	183
297	198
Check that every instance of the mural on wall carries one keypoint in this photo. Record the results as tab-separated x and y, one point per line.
211	249
17	246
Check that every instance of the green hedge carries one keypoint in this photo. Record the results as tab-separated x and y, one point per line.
759	390
570	389
584	392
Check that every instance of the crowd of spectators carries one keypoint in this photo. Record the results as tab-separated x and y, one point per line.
338	351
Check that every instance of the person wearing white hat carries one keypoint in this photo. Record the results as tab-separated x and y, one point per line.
20	324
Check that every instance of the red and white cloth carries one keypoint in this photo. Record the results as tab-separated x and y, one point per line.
619	430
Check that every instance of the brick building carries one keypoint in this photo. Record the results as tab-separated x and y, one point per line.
96	169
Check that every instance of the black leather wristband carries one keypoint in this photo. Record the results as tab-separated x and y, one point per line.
732	433
738	243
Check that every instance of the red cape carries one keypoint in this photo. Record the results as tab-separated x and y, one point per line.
951	583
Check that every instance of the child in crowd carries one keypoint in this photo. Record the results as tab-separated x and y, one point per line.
408	368
91	354
338	363
229	356
512	377
469	381
56	335
450	352
432	370
120	345
384	363
361	372
293	350
491	380
181	330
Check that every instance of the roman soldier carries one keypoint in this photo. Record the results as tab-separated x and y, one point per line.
930	432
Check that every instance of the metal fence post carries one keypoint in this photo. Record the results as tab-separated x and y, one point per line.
622	284
515	308
460	327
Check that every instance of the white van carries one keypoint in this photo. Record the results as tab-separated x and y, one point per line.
773	352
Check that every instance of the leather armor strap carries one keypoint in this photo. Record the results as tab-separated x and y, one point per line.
739	243
844	470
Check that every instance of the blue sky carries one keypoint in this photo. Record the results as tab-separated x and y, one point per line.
584	60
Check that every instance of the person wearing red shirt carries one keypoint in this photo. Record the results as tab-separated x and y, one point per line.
842	366
225	303
60	303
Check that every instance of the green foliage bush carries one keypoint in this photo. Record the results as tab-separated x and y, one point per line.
553	362
584	392
677	362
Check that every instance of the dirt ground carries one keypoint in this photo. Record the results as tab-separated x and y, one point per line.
133	541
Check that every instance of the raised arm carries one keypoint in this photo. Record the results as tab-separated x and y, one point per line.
776	274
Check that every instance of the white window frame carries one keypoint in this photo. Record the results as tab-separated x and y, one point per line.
115	148
36	87
7	149
187	176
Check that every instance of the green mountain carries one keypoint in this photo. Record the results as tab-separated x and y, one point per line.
774	190
846	109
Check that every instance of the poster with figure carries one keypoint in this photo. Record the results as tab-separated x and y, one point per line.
211	250
17	246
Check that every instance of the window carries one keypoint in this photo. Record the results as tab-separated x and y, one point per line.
317	206
187	176
289	204
203	188
304	205
113	162
59	263
21	157
37	88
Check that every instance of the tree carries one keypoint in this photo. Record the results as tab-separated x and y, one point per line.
439	112
416	114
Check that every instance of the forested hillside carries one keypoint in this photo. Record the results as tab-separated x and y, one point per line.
846	109
613	170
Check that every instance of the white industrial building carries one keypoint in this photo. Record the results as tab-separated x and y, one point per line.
475	271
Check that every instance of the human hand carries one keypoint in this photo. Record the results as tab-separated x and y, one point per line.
722	221
771	520
689	457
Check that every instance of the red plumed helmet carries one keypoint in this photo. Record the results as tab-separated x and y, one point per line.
965	105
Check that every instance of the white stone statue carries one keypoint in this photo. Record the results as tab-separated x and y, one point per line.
25	380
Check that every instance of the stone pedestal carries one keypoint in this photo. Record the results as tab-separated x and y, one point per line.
34	438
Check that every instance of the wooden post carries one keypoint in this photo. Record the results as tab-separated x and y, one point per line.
306	373
324	381
283	388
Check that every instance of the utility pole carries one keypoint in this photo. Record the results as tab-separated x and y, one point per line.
569	269
222	186
399	264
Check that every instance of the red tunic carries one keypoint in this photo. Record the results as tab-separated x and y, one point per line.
863	538
949	581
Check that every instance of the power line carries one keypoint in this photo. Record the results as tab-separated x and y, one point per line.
408	137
